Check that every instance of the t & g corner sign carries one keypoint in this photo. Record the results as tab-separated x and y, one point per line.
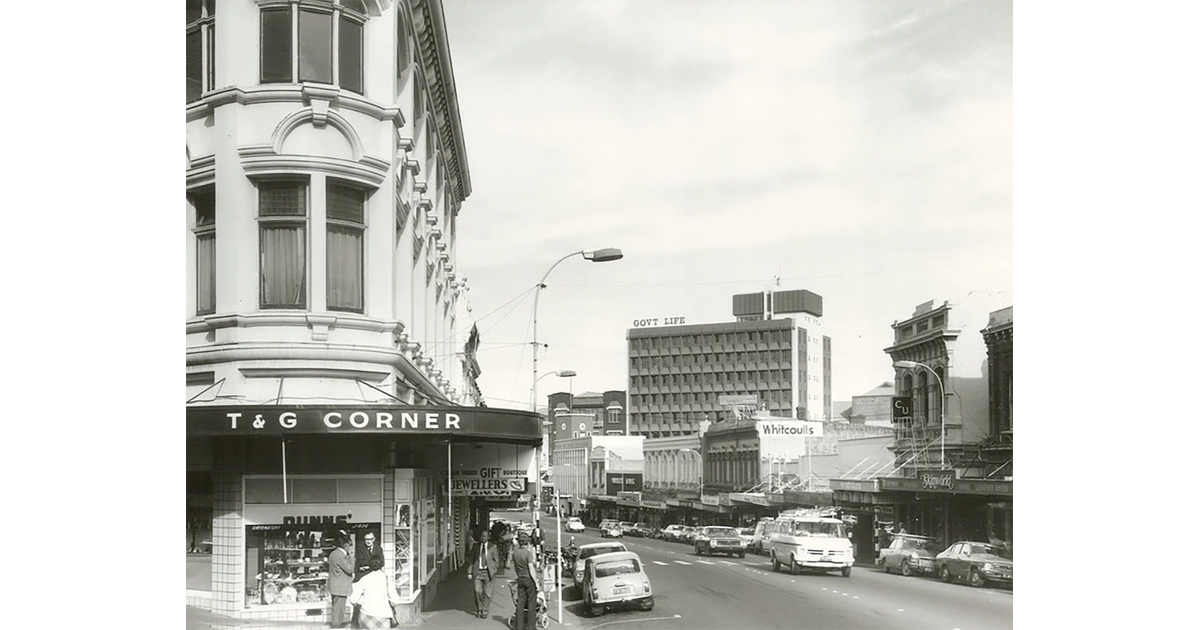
218	420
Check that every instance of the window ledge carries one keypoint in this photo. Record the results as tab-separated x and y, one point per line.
292	93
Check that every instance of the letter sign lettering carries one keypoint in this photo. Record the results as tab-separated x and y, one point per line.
287	420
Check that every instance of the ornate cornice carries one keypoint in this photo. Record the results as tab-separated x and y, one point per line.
290	93
263	160
348	321
433	45
202	171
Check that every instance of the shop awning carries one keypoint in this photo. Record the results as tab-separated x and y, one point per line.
457	423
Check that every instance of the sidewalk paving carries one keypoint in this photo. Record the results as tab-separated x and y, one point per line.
453	608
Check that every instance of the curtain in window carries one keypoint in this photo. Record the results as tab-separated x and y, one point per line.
344	273
283	258
206	273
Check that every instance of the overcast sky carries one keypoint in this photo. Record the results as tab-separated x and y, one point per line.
858	149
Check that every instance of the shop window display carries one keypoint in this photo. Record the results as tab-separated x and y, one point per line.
286	565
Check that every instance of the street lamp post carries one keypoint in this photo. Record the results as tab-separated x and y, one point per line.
600	255
941	407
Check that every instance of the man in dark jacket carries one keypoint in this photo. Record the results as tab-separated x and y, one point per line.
364	553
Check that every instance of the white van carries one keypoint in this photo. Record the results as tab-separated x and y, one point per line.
811	543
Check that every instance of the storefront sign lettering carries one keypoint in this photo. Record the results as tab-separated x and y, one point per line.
284	419
480	483
938	481
315	520
653	321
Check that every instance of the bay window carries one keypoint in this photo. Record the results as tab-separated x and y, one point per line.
282	219
199	39
205	229
320	42
345	224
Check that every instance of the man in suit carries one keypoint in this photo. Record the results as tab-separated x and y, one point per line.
341	573
363	555
485	566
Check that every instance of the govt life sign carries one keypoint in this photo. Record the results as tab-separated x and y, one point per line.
785	437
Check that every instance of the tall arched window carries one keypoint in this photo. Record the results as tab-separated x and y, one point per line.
921	397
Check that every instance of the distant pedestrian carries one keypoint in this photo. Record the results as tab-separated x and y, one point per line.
341	574
485	566
525	565
900	528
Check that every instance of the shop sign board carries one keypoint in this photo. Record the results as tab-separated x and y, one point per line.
937	482
752	498
902	409
654	505
854	485
785	437
733	400
630	496
218	420
710	499
614	483
723	500
312	513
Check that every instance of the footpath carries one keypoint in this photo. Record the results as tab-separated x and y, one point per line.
452	608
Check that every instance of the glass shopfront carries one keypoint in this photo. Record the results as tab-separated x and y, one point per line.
289	536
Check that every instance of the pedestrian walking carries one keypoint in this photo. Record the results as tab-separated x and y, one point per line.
341	574
485	566
525	565
373	597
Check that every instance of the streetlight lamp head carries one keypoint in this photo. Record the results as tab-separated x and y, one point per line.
566	373
906	364
604	254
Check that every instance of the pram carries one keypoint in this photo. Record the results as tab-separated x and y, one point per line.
542	614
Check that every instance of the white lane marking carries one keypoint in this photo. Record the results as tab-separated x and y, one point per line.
683	563
611	623
727	562
899	610
661	564
706	562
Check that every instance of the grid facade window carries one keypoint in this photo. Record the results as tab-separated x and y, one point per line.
321	42
199	44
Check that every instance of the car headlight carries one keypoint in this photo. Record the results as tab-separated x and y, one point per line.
988	566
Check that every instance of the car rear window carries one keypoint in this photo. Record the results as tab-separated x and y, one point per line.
595	551
720	531
617	567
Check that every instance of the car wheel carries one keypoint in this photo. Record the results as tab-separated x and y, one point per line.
977	579
648	603
845	571
795	566
774	562
945	573
595	611
742	555
905	570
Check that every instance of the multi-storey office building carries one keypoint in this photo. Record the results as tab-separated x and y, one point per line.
330	356
677	374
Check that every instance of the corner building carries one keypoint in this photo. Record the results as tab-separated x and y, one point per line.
330	354
677	374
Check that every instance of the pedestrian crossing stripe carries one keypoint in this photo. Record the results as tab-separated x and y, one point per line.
706	562
661	564
683	563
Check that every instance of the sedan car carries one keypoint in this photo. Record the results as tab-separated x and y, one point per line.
587	551
626	527
907	554
747	534
611	529
573	524
613	580
719	539
978	563
674	533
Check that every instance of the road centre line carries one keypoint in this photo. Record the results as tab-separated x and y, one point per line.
683	563
661	564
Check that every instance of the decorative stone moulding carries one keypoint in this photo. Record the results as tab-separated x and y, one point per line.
420	186
431	219
202	170
291	93
414	167
320	98
437	234
320	325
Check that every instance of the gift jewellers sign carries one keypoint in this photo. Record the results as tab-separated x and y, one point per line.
296	419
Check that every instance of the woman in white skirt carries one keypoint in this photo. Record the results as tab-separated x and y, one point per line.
375	596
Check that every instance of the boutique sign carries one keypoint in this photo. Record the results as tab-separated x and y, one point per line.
295	419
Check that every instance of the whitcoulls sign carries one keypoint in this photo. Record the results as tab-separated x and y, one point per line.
785	438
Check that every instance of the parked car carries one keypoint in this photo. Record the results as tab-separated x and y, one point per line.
589	550
809	543
719	539
978	563
611	529
573	524
689	534
641	530
626	527
907	554
747	534
674	533
612	580
758	540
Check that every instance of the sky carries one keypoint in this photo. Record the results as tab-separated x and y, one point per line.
862	150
